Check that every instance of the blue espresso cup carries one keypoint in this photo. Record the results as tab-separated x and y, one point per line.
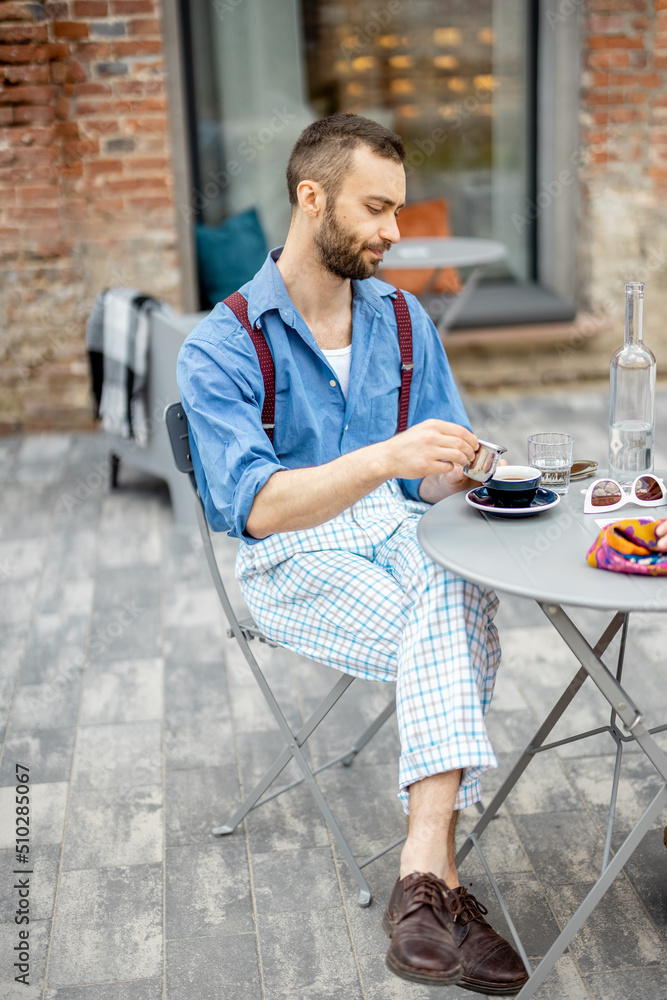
514	485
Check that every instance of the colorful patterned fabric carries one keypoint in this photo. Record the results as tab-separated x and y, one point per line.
628	547
359	594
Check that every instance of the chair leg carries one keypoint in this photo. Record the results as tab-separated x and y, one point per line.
279	764
370	732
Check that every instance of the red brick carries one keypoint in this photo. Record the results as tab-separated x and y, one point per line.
68	89
62	107
145	26
96	167
601	24
58	72
7	156
136	183
640	23
132	7
91	89
25	53
6	116
150	104
612	58
67	130
147	47
627	115
98	126
146	163
22	174
75	72
660	62
638	58
614	42
93	50
70	29
103	107
15	11
11	34
33	113
59	50
150	204
604	97
90	8
635	80
27	95
25	73
25	136
82	147
25	214
142	87
34	155
69	170
44	192
105	205
157	124
55	11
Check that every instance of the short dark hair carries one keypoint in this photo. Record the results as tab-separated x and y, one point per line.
324	149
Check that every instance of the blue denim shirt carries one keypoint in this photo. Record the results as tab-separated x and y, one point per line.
222	391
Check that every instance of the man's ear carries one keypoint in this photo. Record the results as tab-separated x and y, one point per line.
312	198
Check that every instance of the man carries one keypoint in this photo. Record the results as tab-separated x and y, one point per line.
329	562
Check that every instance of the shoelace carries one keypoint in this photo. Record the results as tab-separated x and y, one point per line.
429	890
464	907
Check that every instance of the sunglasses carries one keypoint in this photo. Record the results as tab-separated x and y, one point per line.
607	494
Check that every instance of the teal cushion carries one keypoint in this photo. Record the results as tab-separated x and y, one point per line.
230	254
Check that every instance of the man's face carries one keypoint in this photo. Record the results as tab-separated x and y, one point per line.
360	225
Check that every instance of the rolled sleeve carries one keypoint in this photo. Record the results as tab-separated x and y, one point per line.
232	456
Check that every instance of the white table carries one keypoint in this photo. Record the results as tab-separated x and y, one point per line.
543	557
446	251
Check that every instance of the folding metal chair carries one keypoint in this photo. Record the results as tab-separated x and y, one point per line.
244	631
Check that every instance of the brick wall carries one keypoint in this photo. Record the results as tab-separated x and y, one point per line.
86	198
623	179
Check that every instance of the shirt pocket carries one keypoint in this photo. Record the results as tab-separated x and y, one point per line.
383	417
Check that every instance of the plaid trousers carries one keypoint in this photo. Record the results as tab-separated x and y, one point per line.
359	594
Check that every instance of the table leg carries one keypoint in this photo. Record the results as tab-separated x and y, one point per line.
621	705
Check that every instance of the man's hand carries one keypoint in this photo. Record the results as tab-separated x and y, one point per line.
661	532
431	448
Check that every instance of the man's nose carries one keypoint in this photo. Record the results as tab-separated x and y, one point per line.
389	231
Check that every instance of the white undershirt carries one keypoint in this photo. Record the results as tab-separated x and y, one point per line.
339	358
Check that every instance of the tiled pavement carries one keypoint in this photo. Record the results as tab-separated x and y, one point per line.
141	725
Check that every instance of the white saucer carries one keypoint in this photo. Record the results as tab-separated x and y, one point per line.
544	500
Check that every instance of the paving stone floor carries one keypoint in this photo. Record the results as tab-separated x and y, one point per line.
141	726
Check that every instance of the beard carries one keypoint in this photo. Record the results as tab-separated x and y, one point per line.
341	252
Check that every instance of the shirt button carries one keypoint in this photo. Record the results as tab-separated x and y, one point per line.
332	384
346	426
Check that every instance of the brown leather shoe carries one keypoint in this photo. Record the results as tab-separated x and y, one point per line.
419	925
490	963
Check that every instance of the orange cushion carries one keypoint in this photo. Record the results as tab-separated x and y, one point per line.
424	218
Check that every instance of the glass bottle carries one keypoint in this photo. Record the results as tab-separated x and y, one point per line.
632	395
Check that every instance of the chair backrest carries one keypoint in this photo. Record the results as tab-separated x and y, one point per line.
177	428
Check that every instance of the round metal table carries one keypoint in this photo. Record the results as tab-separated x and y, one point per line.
544	558
443	251
426	252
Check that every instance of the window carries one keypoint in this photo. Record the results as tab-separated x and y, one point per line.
457	79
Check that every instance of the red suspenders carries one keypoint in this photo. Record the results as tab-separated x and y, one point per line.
239	306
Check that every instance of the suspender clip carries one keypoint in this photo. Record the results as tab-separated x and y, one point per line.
407	367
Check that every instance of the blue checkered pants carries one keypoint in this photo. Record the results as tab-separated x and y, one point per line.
359	594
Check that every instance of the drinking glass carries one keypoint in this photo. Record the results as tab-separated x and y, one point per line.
551	453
